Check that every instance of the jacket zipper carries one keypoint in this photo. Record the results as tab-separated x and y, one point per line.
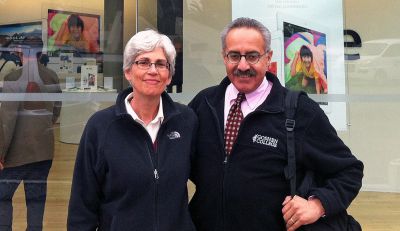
226	158
155	171
156	178
225	166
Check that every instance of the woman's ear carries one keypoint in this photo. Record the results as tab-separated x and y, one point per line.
128	75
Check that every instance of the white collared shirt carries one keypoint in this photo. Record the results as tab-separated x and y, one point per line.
153	127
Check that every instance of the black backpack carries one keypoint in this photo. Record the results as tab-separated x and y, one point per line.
339	222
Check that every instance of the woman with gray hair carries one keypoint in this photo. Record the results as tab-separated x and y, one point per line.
133	160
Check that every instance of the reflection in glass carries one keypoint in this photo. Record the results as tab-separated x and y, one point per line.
26	135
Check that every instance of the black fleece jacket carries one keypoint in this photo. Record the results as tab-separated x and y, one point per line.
246	191
123	182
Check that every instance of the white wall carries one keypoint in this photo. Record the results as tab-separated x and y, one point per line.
28	10
373	19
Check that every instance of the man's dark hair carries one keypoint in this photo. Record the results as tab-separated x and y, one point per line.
251	24
75	20
305	52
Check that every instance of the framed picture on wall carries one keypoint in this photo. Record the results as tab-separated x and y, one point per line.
305	59
73	32
20	32
305	64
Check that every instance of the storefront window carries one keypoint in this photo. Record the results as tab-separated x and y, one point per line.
61	62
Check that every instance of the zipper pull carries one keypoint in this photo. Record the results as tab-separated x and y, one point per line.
156	174
226	159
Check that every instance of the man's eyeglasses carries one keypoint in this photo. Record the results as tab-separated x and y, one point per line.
251	58
146	64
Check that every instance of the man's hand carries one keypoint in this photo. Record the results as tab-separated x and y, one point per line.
298	211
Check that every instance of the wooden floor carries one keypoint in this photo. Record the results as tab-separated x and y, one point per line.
375	211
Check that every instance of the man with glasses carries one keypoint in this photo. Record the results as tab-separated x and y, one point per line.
133	160
238	166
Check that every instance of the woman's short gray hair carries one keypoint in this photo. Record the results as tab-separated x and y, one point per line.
146	41
247	23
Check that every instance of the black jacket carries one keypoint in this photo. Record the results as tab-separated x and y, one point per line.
246	192
115	185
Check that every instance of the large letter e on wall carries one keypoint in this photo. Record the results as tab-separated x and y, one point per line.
355	41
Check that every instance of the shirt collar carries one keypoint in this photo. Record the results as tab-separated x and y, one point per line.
159	117
251	98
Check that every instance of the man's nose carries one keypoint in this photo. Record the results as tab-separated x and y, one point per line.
243	64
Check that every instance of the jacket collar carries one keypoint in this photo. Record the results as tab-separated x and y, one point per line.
275	101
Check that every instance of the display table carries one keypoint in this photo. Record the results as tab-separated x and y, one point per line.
74	114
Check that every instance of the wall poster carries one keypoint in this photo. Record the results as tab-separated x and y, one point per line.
73	31
20	32
308	48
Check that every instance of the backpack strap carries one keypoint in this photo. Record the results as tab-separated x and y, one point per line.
5	61
290	123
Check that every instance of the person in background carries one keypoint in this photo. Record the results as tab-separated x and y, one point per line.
240	181
27	138
133	161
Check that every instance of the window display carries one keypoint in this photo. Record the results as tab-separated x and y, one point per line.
76	32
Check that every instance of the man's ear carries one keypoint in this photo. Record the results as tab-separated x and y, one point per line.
223	56
269	57
270	53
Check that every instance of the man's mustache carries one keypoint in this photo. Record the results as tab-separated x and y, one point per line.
246	73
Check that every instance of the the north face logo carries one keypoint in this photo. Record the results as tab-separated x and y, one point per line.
174	135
